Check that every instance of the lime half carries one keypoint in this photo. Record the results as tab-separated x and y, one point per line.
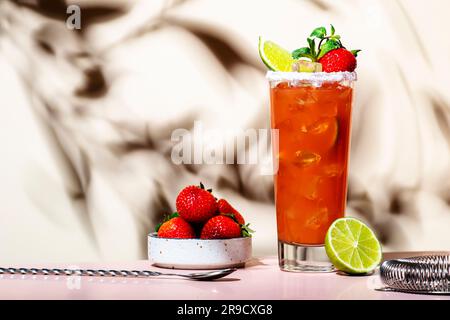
352	247
275	57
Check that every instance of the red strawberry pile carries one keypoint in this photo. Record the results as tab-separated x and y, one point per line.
327	49
200	215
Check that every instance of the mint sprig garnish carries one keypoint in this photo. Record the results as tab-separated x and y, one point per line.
319	44
302	53
319	33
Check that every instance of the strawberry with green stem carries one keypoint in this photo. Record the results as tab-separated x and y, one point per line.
224	226
330	51
196	204
225	207
175	227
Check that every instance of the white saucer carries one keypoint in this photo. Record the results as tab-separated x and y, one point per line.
199	254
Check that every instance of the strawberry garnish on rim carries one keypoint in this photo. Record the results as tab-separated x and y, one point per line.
330	51
338	60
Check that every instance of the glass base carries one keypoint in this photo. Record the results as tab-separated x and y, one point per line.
297	258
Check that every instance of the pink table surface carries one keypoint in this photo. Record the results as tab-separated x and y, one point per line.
261	279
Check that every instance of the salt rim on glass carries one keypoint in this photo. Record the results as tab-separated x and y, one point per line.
314	78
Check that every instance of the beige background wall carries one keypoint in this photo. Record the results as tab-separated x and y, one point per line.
86	118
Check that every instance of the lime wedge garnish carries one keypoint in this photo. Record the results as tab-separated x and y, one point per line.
352	247
275	57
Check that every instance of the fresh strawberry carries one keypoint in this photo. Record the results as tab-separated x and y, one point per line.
338	60
176	228
196	205
225	207
221	227
329	52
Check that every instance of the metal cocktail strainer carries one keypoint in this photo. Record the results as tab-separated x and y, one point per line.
422	275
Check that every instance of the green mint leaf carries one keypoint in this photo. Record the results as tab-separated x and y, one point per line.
355	52
328	46
333	30
319	33
312	46
301	53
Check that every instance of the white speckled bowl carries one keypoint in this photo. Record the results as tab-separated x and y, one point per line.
197	253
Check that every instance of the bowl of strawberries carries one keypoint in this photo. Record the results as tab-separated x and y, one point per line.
204	233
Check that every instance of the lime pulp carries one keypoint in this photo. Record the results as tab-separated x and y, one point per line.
352	246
